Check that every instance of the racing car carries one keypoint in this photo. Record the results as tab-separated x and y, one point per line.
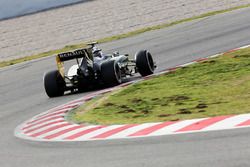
95	68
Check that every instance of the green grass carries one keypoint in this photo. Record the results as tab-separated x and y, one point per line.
218	86
116	37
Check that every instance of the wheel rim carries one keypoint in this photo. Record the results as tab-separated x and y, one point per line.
118	73
150	61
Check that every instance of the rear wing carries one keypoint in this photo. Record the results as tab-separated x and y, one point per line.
76	54
80	53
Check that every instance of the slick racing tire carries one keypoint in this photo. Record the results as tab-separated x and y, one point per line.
54	84
144	63
111	73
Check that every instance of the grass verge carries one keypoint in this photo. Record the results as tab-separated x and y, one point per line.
116	37
218	86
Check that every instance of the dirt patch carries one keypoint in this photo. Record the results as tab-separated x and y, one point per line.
209	62
184	111
242	56
146	111
155	99
135	101
179	103
201	111
201	105
174	120
164	115
178	98
124	107
108	104
164	104
126	111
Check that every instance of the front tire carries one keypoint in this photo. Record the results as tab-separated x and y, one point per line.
144	63
111	73
54	84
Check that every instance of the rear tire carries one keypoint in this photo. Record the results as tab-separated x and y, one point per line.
54	84
144	63
111	73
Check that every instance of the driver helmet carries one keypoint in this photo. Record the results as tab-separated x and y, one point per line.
97	52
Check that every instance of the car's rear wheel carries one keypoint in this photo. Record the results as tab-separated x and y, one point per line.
111	73
54	84
144	63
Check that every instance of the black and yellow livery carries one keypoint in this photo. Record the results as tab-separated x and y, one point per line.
94	69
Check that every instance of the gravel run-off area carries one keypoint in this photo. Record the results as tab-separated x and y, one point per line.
95	19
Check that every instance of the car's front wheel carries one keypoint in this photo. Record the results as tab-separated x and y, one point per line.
54	83
111	73
144	63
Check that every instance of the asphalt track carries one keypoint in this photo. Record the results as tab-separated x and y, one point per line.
22	96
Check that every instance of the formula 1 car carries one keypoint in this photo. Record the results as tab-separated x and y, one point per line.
94	68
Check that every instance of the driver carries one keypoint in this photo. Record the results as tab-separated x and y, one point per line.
97	54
